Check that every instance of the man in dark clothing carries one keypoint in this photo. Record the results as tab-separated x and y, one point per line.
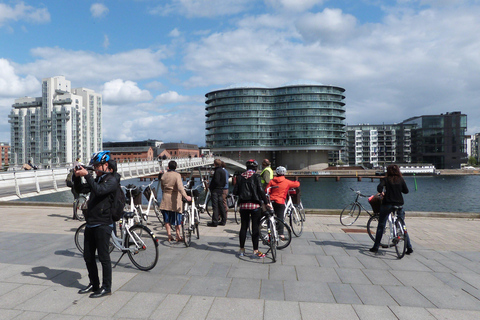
99	220
216	189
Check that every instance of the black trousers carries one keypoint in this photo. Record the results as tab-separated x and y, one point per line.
98	239
279	212
245	216
218	207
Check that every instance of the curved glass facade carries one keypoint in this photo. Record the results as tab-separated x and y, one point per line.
298	117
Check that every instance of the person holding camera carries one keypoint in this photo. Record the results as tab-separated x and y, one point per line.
99	219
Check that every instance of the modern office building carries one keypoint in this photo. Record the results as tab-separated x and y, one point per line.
294	125
377	145
475	147
58	127
440	139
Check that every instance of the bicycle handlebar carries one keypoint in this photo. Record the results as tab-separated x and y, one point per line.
359	193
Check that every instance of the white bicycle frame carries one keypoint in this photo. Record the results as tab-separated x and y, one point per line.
203	206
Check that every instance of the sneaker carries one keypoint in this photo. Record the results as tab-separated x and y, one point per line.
258	255
241	253
409	250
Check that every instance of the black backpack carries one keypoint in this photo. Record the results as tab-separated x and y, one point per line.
69	180
245	189
118	203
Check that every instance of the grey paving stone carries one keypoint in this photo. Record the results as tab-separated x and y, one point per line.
142	282
29	315
433	265
371	262
299	259
381	277
451	280
8	314
411	313
470	255
374	312
275	310
281	272
373	295
236	309
249	271
348	262
317	274
272	290
408	263
449	298
455	266
201	268
414	278
408	296
313	291
244	288
207	286
7	287
170	284
471	278
196	308
326	261
344	293
19	295
171	307
59	299
327	311
450	314
347	275
141	305
219	270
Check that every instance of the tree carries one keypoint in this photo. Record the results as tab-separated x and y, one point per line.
472	161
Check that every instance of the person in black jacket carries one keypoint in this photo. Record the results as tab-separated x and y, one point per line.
216	189
392	187
99	220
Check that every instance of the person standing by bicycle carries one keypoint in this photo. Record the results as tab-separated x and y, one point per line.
171	205
392	187
248	188
216	189
225	190
267	173
278	195
99	219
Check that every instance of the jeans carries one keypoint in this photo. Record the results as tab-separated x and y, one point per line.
382	221
98	239
245	216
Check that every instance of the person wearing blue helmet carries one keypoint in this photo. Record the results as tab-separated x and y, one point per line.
99	219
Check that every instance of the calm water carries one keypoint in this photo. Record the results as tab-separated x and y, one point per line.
434	193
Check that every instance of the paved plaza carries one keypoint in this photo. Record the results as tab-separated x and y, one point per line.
327	273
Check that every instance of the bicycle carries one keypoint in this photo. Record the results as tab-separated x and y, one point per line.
352	211
134	204
80	204
136	240
271	238
294	218
284	240
190	216
394	235
207	203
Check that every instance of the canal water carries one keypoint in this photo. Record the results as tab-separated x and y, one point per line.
434	193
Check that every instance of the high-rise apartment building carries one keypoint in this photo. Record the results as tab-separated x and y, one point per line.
58	127
293	125
377	145
4	151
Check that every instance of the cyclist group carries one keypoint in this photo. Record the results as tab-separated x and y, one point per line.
250	188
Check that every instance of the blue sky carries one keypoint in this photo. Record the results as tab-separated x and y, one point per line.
154	60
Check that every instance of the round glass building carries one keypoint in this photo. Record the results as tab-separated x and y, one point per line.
273	122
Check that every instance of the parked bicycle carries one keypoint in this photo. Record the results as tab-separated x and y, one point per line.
134	202
135	240
291	212
190	216
352	211
393	235
271	236
80	204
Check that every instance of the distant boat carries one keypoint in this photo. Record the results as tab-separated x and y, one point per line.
417	169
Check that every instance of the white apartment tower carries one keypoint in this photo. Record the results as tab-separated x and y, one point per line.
58	127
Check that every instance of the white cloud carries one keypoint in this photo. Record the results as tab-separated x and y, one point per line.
23	12
203	8
123	92
174	33
293	5
106	41
171	97
11	85
98	10
88	68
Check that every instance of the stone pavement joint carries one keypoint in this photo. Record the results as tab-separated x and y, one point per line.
327	273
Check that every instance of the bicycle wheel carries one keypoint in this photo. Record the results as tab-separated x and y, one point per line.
145	247
399	241
237	211
209	207
296	222
283	240
372	230
273	244
77	210
158	212
80	239
350	214
196	223
301	210
186	228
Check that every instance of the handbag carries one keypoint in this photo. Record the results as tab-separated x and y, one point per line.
231	200
376	202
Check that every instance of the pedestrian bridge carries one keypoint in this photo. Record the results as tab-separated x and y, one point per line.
21	184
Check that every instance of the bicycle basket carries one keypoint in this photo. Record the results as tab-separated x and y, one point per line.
295	194
148	191
195	192
375	202
136	193
231	201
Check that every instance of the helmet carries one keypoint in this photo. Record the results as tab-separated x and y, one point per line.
252	164
281	171
100	157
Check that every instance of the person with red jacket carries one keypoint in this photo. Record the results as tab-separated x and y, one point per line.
278	188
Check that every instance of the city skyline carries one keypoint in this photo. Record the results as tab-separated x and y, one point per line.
154	61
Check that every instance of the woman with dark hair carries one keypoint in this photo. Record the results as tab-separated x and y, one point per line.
392	187
171	205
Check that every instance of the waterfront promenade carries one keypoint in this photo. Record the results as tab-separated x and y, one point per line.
327	273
